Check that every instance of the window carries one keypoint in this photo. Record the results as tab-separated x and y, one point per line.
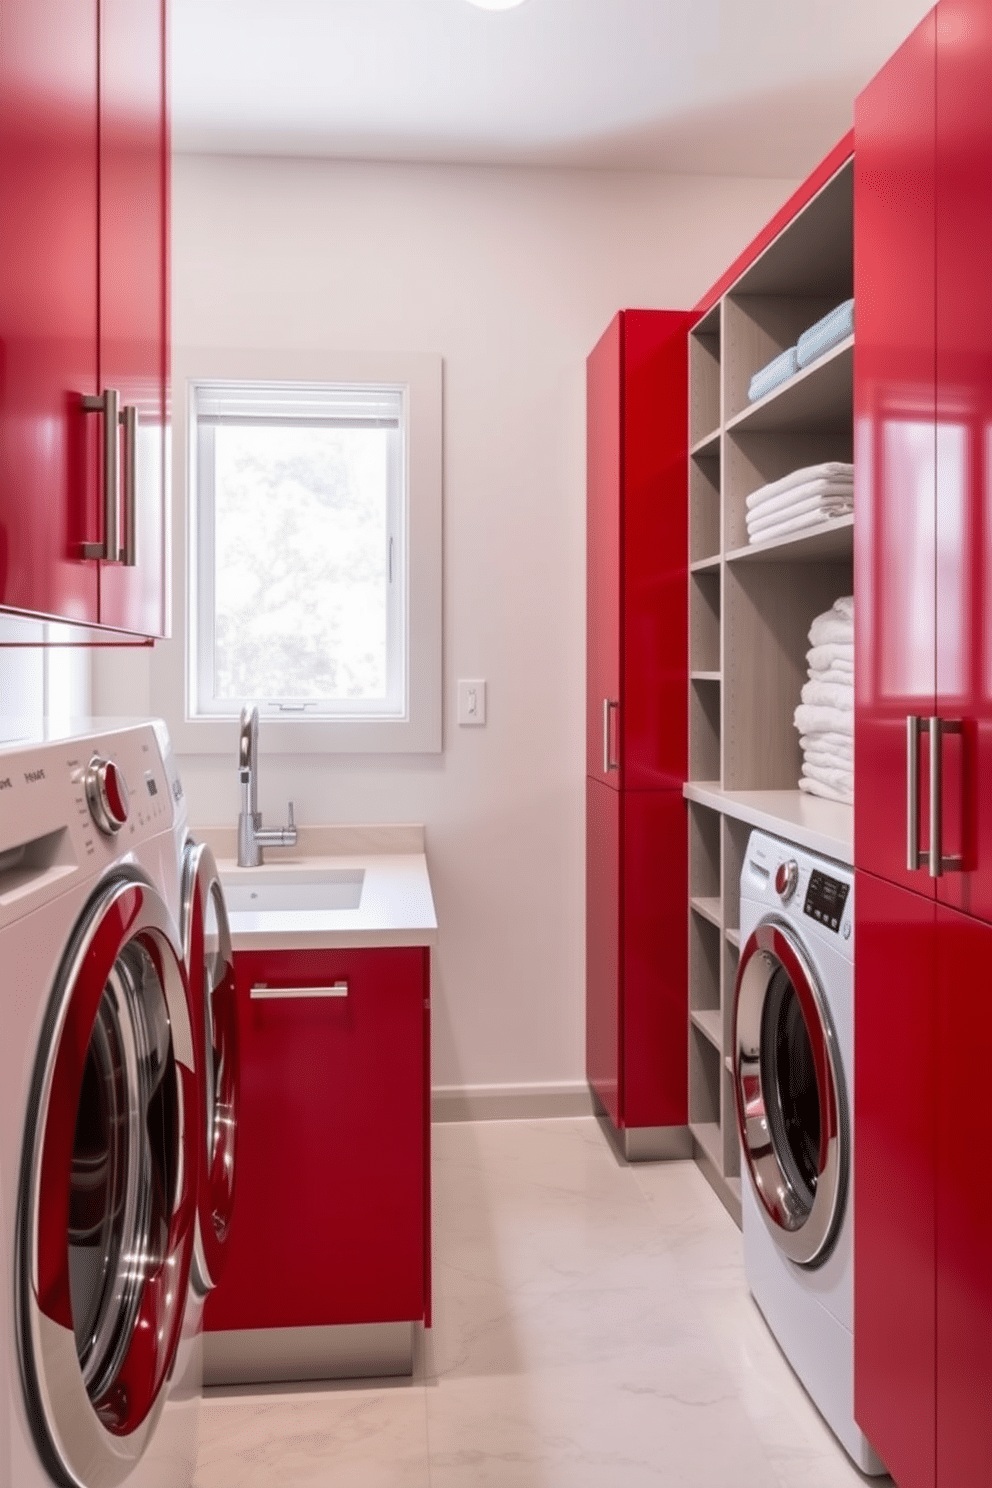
300	521
307	496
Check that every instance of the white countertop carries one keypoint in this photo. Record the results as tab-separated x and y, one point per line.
396	906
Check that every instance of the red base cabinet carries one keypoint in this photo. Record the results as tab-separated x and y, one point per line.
636	725
331	1217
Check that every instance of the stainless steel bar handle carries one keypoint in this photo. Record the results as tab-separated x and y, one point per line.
107	404
914	729
609	763
129	422
260	992
938	864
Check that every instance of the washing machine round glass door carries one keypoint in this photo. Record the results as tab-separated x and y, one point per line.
210	968
108	1188
791	1116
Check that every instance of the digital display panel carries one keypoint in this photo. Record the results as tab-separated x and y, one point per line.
152	787
825	900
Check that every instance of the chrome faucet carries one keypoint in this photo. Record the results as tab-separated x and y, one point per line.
251	836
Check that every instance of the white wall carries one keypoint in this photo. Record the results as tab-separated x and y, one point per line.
511	275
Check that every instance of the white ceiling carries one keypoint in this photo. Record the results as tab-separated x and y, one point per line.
751	87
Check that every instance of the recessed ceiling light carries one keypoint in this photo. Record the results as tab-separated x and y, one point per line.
496	4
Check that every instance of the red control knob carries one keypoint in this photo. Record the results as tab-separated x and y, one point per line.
786	878
106	795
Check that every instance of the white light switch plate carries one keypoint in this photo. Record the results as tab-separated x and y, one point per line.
471	702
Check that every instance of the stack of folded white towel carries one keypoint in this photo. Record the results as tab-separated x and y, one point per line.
807	497
825	717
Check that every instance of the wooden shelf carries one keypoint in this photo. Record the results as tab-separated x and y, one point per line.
709	908
708	1021
750	610
822	826
708	445
819	397
827	544
708	1135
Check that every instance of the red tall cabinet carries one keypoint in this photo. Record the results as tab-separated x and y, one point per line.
83	308
923	823
636	730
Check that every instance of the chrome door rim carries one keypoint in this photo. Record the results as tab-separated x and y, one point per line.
72	1414
200	883
803	1231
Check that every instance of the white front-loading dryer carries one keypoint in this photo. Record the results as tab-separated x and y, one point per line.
793	1056
100	1125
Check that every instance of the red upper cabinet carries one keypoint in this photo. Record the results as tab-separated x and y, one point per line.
134	165
637	422
894	441
83	297
48	306
964	448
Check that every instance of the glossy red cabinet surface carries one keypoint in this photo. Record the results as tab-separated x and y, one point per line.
331	1221
637	611
48	306
964	449
636	955
636	718
134	167
964	1202
895	1153
83	270
895	448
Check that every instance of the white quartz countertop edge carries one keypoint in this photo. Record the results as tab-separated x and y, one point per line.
396	907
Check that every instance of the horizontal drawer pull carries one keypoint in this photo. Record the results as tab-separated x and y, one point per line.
260	991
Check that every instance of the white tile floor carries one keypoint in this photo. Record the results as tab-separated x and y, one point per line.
592	1330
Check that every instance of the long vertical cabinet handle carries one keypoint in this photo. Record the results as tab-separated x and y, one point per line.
609	763
937	862
914	857
107	404
129	421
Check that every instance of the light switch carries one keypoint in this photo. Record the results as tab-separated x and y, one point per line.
471	702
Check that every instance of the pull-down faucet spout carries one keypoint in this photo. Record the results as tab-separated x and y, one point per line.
252	838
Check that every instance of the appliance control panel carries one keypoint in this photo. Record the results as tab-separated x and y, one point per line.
825	899
70	807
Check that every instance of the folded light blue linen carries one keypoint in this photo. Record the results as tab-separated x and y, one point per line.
778	370
830	331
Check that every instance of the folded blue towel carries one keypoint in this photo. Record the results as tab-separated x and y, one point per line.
780	370
828	332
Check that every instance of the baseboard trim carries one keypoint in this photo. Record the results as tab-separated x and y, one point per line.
524	1102
254	1356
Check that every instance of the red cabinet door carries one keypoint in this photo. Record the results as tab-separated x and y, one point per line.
48	306
604	956
655	959
964	448
637	615
655	542
895	449
604	579
331	1219
134	162
964	1203
895	1151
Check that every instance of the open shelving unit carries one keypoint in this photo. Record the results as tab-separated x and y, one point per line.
750	609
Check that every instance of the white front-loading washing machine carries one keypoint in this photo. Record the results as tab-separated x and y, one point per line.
793	1080
100	1118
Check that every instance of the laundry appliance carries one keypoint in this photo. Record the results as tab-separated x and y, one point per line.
101	1116
793	1078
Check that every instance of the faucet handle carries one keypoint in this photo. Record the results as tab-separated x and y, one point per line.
291	822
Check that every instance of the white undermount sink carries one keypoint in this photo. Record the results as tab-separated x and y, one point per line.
280	890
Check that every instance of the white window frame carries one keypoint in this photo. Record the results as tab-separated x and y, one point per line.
415	725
